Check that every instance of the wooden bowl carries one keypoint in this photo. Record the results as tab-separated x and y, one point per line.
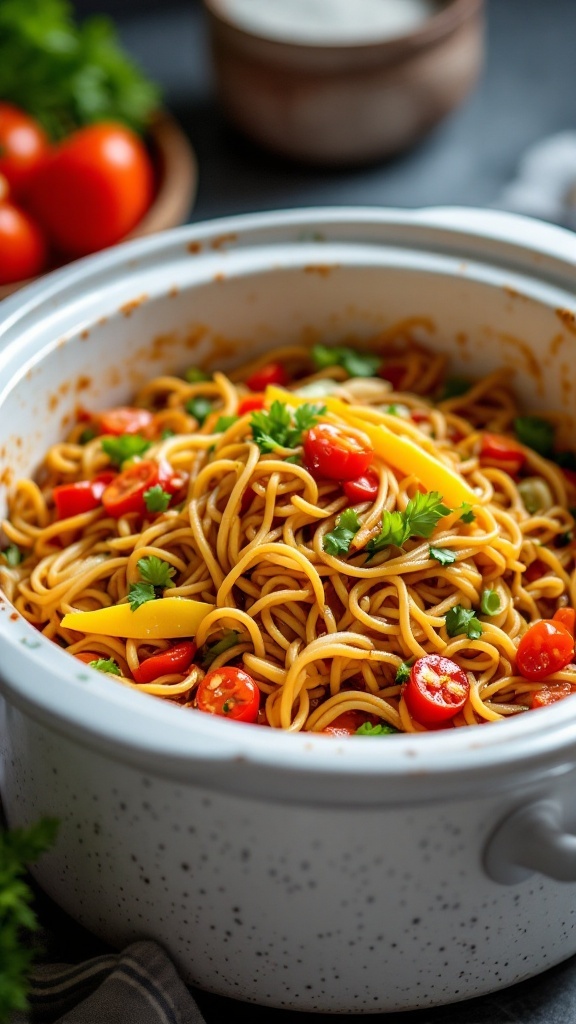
176	183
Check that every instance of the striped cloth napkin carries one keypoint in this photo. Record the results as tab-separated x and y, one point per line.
138	986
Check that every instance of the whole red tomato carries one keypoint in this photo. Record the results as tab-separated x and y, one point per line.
93	189
23	146
22	245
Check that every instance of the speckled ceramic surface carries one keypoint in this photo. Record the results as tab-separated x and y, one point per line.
297	871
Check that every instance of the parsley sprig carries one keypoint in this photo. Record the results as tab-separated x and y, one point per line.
106	665
156	577
463	620
156	498
443	555
11	555
338	541
418	519
125	446
18	848
381	729
356	364
283	427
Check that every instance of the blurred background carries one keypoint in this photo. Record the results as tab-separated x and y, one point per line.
526	92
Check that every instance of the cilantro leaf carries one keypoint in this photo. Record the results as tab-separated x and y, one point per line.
210	653
12	555
140	593
467	515
156	498
535	433
18	848
194	375
224	422
382	729
453	387
199	408
443	555
463	620
338	541
490	603
274	429
403	672
356	364
156	571
125	446
419	519
106	665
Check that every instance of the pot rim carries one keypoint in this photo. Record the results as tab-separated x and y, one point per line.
144	730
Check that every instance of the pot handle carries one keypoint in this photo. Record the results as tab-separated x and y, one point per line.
531	840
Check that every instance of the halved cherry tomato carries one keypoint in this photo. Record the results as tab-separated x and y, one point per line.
177	658
337	453
22	245
550	694
272	373
546	647
567	618
394	373
93	188
82	496
502	452
229	692
251	403
364	488
348	723
436	690
23	145
124	420
125	493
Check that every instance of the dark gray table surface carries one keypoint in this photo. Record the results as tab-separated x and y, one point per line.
527	91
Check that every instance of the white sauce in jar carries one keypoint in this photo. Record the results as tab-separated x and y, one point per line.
328	22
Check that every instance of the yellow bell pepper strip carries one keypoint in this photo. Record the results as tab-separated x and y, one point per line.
400	452
163	619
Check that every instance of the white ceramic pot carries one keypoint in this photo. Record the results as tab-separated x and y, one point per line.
292	870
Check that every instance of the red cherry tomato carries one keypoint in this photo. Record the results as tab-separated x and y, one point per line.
272	373
23	146
436	690
93	188
229	692
126	491
124	420
364	488
348	723
250	404
550	694
567	618
83	496
502	452
22	245
546	647
337	453
175	659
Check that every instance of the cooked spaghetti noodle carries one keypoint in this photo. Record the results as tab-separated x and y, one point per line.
325	608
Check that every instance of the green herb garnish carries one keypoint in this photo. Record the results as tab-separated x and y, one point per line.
490	603
466	514
12	555
166	433
463	620
156	498
140	593
356	364
18	848
281	427
535	433
338	541
403	672
65	74
194	375
125	446
230	639
106	665
156	571
87	435
419	519
382	729
200	408
224	422
453	387
443	555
